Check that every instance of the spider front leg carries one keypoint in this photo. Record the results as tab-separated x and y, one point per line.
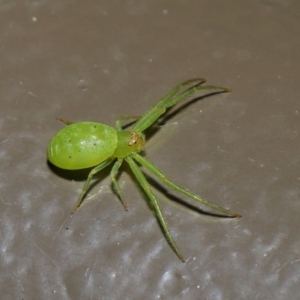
145	186
87	182
171	99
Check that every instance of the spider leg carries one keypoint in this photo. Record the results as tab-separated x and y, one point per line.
153	169
67	122
170	100
121	119
87	182
144	184
113	173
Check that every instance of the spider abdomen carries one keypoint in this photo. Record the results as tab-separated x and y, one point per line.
82	145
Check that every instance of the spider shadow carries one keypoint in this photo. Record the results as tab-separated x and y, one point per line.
77	175
81	175
156	126
153	129
154	183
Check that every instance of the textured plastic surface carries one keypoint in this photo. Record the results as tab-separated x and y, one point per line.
100	60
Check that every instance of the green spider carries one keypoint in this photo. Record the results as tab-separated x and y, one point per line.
89	144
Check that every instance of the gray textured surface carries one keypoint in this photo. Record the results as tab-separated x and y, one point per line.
102	59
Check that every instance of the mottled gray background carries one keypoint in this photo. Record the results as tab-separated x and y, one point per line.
98	60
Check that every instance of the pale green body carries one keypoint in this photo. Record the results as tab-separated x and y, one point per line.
89	144
82	145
